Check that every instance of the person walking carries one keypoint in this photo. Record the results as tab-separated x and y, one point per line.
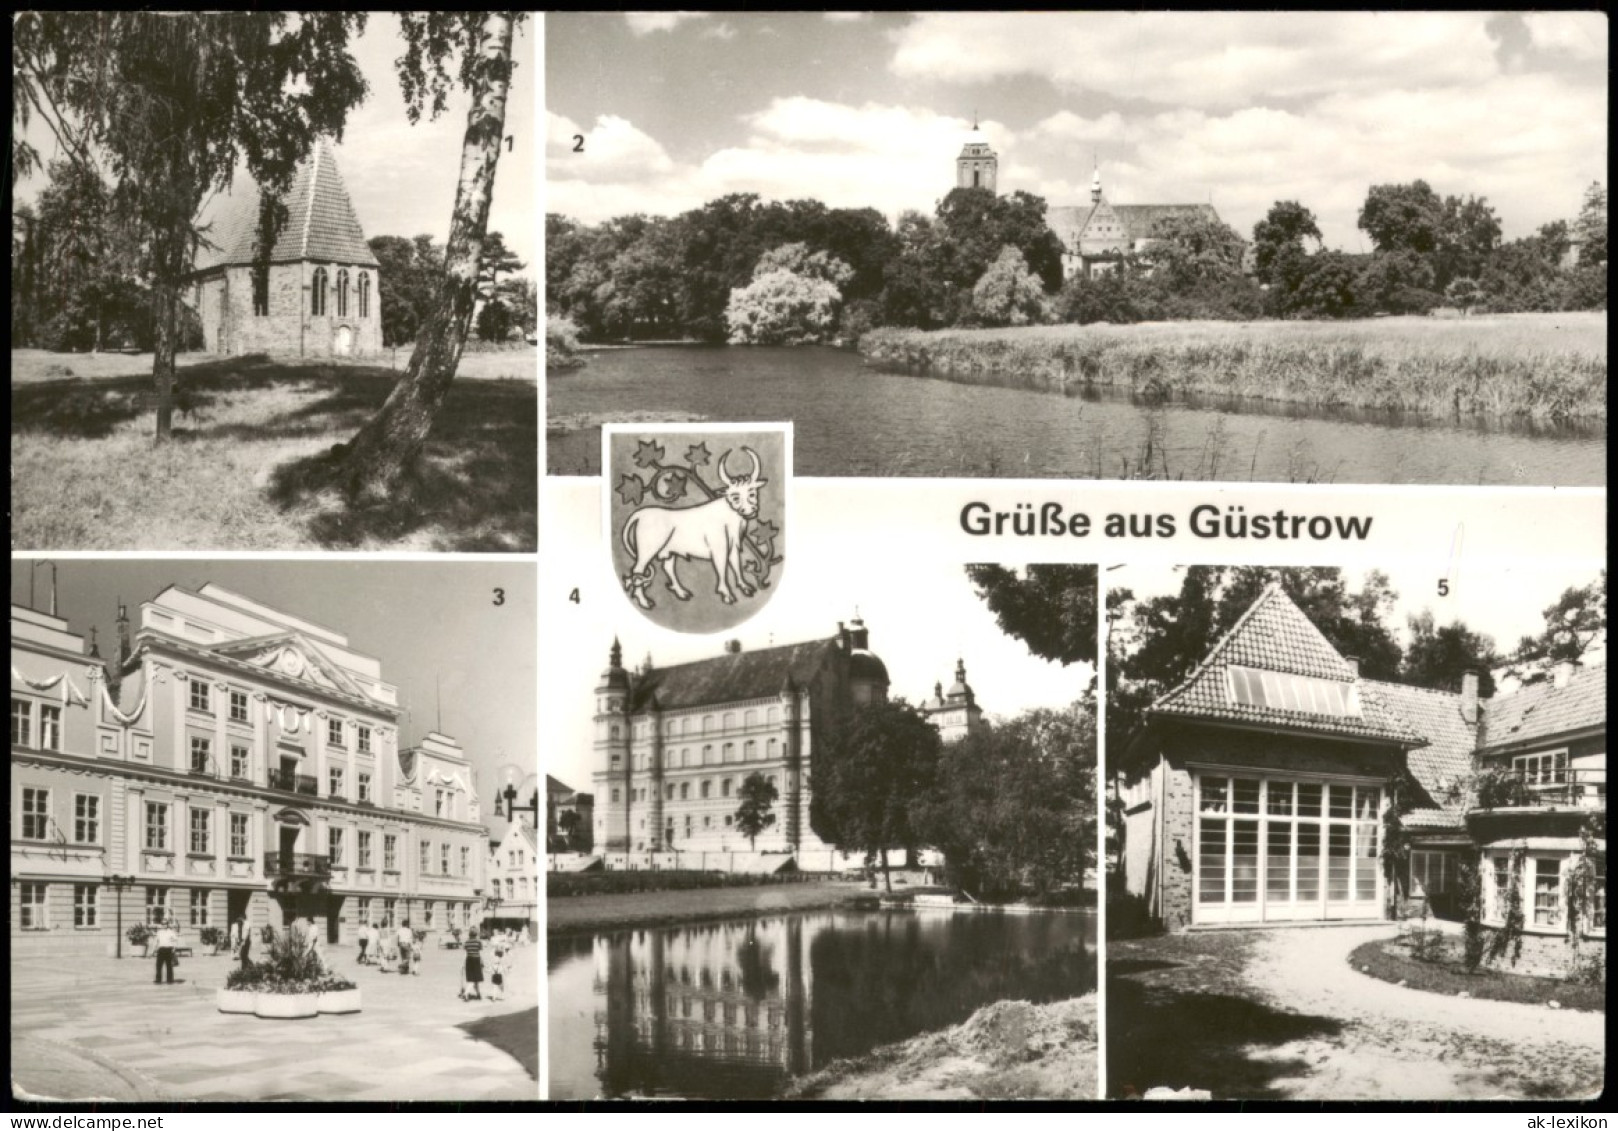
167	939
407	942
244	951
236	933
472	972
362	938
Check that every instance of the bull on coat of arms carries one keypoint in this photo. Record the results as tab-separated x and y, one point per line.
678	502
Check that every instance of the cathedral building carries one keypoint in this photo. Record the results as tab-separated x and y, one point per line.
317	296
673	745
235	762
1096	236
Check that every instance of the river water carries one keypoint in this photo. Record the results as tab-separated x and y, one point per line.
735	1009
851	420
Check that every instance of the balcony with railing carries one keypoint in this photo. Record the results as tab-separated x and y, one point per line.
297	866
289	781
1556	800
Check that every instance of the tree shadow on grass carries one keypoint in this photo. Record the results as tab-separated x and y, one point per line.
475	487
475	484
1159	1035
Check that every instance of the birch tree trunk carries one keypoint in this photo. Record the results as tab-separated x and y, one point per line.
388	444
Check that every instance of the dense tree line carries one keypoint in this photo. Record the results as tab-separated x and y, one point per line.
716	273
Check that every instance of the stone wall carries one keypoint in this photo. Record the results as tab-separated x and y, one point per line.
223	300
1549	955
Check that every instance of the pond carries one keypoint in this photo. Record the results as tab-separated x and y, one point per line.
736	1009
852	420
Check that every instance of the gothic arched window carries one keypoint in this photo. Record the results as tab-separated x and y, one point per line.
342	294
365	295
317	292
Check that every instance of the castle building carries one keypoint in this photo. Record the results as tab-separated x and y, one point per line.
1276	765
235	762
673	745
317	296
955	713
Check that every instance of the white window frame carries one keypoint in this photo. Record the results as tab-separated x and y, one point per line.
160	905
197	907
33	906
160	827
234	698
22	721
1365	847
334	845
246	761
244	821
86	815
40	812
86	906
362	742
362	850
200	696
50	727
195	827
334	733
1421	867
362	786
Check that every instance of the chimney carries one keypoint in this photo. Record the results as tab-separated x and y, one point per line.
1354	663
1562	674
733	647
1508	684
1469	696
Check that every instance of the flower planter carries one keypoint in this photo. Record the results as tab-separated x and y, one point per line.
286	1006
340	1001
237	1001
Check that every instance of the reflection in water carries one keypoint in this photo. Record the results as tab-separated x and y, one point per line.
850	419
735	1009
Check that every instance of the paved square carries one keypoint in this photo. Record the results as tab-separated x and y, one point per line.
85	1028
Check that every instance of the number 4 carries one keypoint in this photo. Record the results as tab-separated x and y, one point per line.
574	596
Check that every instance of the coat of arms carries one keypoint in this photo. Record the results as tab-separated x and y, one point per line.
703	506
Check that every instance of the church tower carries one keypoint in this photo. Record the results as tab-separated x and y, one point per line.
614	771
978	165
955	712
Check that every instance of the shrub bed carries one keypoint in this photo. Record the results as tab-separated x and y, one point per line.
1391	960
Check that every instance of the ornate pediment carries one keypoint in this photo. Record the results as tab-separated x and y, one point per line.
293	656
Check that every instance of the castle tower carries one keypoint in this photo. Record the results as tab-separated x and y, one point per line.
978	165
1095	185
867	674
611	748
955	712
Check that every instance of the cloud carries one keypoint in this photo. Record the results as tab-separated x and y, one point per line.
645	23
1214	59
846	17
1581	35
614	151
719	31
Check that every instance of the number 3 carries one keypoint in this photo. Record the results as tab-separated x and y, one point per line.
499	596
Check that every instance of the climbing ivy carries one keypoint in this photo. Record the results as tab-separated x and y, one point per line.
1584	881
1507	938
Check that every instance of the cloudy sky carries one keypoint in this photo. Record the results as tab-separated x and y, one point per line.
402	177
1241	109
453	654
1506	602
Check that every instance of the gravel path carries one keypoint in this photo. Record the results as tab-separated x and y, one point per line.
1402	1043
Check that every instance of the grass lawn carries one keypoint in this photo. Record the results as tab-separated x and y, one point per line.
1390	961
86	475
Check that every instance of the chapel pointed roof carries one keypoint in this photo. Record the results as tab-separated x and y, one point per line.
321	223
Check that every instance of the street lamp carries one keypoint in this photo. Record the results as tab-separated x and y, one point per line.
118	884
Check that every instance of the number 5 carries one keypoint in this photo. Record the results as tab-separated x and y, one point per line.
1443	587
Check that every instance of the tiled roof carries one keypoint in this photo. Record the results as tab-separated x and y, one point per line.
729	677
1434	819
1435	715
1273	634
321	224
1543	710
1068	221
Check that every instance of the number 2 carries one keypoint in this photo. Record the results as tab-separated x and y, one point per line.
578	143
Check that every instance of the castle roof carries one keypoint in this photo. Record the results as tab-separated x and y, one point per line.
731	676
321	224
1274	636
